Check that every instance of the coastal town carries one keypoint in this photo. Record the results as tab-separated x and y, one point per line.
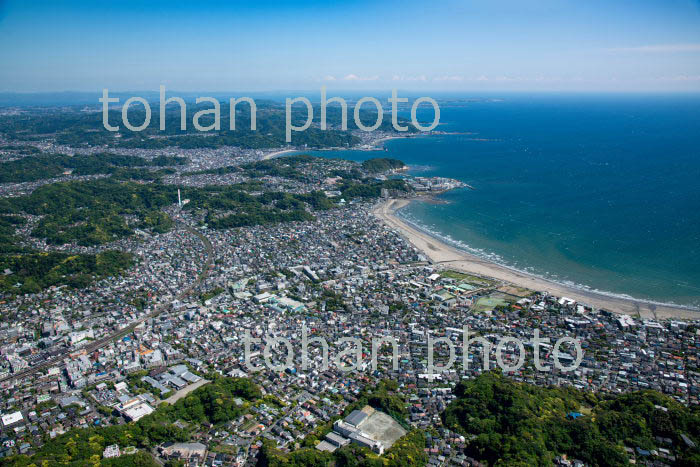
126	347
350	234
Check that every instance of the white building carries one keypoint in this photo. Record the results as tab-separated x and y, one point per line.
111	451
12	419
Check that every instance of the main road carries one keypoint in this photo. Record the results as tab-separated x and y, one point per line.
119	333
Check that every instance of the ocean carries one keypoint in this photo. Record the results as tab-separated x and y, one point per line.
596	191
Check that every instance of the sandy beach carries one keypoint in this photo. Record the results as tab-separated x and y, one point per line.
380	142
278	153
445	255
376	146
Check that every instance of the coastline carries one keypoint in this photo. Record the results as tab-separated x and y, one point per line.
376	145
278	153
440	253
379	144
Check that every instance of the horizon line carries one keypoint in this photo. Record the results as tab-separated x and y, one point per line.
368	90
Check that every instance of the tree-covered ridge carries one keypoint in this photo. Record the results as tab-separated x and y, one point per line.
24	271
305	167
213	403
509	423
368	188
409	450
43	166
285	167
75	128
8	240
101	211
33	272
95	212
20	148
382	164
386	397
301	167
86	129
87	213
357	181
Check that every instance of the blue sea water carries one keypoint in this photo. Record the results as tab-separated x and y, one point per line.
598	191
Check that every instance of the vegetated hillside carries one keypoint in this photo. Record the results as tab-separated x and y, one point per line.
79	129
33	272
382	164
407	451
72	127
43	166
23	270
214	403
96	212
509	423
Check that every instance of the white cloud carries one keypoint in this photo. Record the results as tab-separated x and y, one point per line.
353	77
329	78
449	78
409	78
659	48
507	79
681	78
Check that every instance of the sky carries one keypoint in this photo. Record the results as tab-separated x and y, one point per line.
468	45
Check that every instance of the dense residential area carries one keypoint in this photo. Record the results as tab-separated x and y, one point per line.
147	296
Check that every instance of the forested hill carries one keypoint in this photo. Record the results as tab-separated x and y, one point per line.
76	128
509	423
44	166
219	402
382	164
97	212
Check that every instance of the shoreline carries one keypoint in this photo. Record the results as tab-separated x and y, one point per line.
379	144
376	145
278	153
442	254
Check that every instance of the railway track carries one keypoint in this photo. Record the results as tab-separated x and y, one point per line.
126	330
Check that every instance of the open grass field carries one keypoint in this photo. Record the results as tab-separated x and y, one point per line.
488	303
471	278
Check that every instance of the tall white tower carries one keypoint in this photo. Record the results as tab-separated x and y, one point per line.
179	200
